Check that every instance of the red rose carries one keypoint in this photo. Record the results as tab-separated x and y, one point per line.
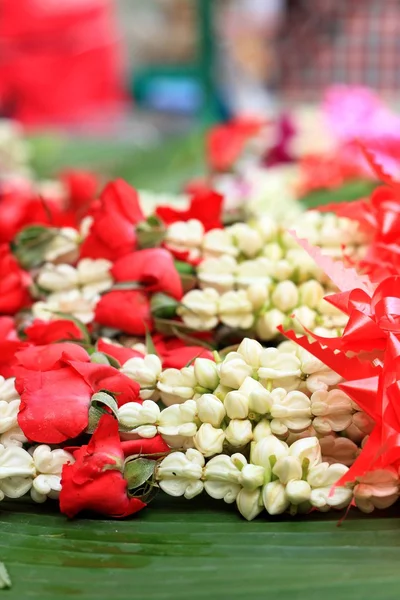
56	384
13	283
81	187
127	311
175	354
226	142
95	481
47	332
154	268
112	233
205	206
9	346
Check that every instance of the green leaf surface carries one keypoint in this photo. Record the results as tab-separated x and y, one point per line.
194	550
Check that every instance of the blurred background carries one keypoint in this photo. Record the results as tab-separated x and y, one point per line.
129	86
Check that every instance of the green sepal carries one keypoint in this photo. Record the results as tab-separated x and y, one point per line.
30	245
163	306
150	233
138	471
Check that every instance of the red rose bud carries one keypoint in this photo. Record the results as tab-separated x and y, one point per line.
14	283
96	481
112	233
205	206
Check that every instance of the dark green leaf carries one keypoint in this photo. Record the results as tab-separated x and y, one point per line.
199	550
138	471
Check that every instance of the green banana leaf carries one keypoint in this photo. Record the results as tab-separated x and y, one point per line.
200	549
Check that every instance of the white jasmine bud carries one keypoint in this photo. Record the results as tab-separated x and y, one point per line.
267	324
221	391
217	273
268	227
17	470
7	389
250	272
8	415
308	363
281	270
233	372
48	464
13	437
209	440
249	503
250	350
266	450
258	295
247	239
57	278
377	489
261	430
134	415
322	380
298	492
307	448
252	477
259	399
180	474
337	449
289	411
287	468
321	479
239	433
74	302
277	365
275	498
210	410
273	251
185	236
199	309
178	419
303	318
63	247
222	475
285	296
333	411
217	242
311	293
328	309
145	371
206	373
94	275
236	405
176	385
235	309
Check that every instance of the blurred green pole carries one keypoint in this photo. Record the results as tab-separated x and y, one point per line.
206	61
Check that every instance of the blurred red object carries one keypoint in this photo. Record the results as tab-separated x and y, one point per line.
60	60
